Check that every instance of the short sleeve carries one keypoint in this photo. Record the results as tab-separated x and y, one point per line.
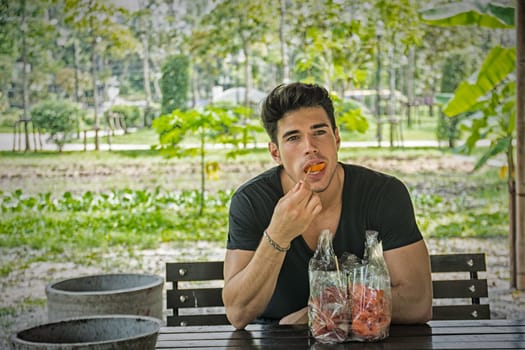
243	232
251	209
396	216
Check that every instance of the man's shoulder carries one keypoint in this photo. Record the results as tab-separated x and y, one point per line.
263	181
361	177
355	170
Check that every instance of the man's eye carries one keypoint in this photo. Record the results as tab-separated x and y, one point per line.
320	132
292	138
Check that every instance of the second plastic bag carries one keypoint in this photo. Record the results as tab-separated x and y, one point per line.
370	294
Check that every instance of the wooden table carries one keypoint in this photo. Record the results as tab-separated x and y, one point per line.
482	334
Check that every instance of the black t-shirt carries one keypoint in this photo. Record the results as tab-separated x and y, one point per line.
371	201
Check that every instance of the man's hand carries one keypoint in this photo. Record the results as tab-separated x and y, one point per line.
294	212
298	317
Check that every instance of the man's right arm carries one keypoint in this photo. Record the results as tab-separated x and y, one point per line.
249	282
250	277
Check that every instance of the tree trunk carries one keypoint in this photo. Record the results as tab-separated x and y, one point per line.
392	88
410	83
511	186
76	78
77	65
145	67
378	93
95	93
25	78
247	74
155	80
147	90
284	53
193	86
520	145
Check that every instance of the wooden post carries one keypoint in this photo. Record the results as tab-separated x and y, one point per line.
520	145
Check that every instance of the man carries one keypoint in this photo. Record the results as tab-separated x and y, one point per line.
276	218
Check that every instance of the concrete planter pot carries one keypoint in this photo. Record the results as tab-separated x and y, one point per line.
115	332
122	294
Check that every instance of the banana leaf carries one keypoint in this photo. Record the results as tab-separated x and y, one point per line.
498	65
482	13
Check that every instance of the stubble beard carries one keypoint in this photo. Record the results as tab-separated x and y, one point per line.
330	180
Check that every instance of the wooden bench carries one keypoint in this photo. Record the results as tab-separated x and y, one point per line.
187	301
197	289
462	294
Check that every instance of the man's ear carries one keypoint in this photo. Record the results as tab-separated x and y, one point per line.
337	138
274	152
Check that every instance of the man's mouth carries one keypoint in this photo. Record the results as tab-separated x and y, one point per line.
314	168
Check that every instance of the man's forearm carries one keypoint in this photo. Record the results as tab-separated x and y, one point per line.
247	293
411	305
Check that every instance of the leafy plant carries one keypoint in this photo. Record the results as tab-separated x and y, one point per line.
210	124
137	218
351	115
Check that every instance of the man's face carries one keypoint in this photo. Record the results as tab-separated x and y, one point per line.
305	138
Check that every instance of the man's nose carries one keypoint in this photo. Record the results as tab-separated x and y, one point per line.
310	145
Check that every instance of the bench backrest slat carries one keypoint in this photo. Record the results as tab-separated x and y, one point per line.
458	262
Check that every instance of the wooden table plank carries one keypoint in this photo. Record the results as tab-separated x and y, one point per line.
395	331
352	346
486	334
431	324
476	323
442	342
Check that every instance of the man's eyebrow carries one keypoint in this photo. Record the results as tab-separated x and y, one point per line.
289	133
319	126
313	127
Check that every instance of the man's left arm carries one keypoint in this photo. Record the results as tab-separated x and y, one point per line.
409	268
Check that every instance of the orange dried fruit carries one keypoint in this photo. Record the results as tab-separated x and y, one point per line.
315	167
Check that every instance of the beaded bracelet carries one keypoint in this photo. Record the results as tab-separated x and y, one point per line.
274	244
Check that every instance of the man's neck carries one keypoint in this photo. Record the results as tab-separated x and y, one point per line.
333	193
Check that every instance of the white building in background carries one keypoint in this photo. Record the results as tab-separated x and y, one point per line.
235	95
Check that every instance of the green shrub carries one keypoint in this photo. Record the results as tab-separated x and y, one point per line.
59	118
175	83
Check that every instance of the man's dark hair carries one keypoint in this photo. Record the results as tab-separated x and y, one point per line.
289	97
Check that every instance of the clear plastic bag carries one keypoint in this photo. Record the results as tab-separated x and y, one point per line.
370	293
328	305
